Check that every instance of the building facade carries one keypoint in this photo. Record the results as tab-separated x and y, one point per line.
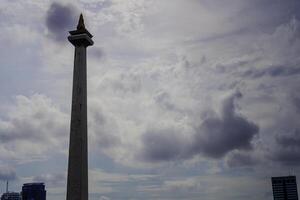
11	196
33	191
285	188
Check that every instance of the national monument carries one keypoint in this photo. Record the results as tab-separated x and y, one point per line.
77	184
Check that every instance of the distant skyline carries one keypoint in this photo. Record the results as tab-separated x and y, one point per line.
186	99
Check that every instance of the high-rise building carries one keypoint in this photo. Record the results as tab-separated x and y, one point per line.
284	188
11	196
33	191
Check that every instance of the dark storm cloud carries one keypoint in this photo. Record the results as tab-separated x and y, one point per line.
7	174
60	19
220	134
214	138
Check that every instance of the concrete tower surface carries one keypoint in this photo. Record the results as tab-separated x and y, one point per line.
77	184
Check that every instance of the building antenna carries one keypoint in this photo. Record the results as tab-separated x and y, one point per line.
6	186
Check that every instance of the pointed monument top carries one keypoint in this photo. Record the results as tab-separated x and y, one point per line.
81	28
81	25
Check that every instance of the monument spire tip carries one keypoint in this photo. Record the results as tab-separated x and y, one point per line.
81	25
80	28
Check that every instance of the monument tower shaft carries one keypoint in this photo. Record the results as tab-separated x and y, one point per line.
77	184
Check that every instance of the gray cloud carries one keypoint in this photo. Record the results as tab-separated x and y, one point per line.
222	68
60	19
163	99
288	149
215	137
287	156
96	52
7	173
51	179
34	126
289	140
296	101
33	119
219	135
241	159
273	71
104	130
271	13
163	145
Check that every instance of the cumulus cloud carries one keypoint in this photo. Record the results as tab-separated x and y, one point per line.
32	126
214	137
34	118
60	19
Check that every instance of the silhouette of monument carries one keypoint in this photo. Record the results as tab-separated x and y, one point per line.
77	184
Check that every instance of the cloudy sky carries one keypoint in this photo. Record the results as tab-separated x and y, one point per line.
186	98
